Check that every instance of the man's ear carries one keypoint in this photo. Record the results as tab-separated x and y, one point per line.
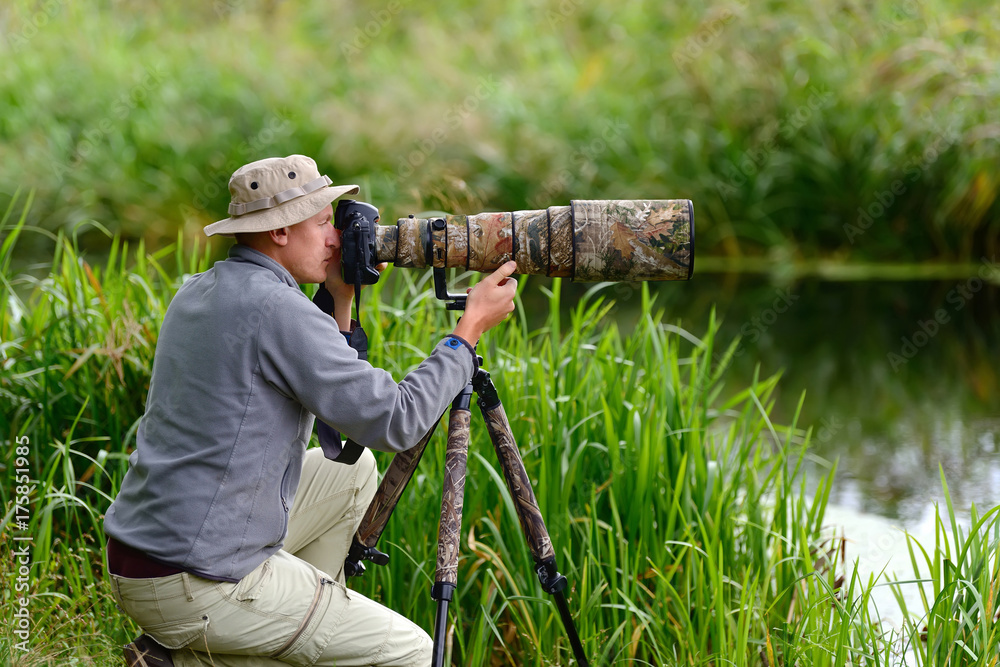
279	236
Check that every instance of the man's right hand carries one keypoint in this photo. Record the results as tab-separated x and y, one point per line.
489	303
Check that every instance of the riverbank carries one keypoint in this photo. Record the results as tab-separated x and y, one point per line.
986	269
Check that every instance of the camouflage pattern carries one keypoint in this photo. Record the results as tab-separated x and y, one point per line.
531	246
477	245
490	241
560	241
410	245
458	241
397	476
518	483
453	497
646	239
590	240
386	242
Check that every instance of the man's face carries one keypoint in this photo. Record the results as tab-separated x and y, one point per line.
313	245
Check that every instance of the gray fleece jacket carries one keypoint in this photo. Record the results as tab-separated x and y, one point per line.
243	363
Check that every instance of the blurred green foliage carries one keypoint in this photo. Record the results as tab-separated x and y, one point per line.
782	121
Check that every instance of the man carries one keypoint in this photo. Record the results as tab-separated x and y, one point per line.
227	539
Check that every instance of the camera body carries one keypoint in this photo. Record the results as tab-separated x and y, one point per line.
356	221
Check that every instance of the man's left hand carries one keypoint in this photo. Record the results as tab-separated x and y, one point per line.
342	292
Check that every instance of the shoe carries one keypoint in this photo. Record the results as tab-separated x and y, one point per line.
143	651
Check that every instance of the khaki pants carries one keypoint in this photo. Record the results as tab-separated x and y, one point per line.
294	608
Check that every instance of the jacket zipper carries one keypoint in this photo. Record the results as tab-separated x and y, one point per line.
305	621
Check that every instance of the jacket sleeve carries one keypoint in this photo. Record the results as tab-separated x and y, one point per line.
302	354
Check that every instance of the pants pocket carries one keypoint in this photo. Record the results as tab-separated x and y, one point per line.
178	634
250	586
317	627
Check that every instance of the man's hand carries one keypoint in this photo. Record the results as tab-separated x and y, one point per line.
489	303
335	280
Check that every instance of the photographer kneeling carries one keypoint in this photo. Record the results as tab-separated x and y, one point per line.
227	538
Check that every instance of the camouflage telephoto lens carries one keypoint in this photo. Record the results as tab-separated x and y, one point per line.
589	240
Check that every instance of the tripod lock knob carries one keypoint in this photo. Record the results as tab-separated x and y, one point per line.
353	565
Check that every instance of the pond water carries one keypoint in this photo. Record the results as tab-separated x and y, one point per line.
900	377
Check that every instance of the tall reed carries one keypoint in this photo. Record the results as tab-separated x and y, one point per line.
956	621
676	506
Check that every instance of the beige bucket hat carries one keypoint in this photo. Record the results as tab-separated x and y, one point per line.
277	192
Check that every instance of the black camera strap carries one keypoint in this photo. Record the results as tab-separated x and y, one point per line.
357	298
334	447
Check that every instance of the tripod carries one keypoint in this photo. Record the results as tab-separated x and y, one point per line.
401	471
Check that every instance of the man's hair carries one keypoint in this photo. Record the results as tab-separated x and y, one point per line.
251	239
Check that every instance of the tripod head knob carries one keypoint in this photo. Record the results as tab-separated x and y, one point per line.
487	391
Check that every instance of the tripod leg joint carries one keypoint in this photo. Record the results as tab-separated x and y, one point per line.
548	575
442	591
353	565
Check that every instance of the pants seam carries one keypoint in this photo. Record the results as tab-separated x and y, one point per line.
322	501
385	642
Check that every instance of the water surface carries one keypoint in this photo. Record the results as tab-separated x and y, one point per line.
901	377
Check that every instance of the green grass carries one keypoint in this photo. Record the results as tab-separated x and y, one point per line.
958	615
779	120
676	506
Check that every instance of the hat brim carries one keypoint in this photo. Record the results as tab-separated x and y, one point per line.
287	214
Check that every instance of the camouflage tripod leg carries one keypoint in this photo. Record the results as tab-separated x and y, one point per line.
450	528
530	517
389	491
